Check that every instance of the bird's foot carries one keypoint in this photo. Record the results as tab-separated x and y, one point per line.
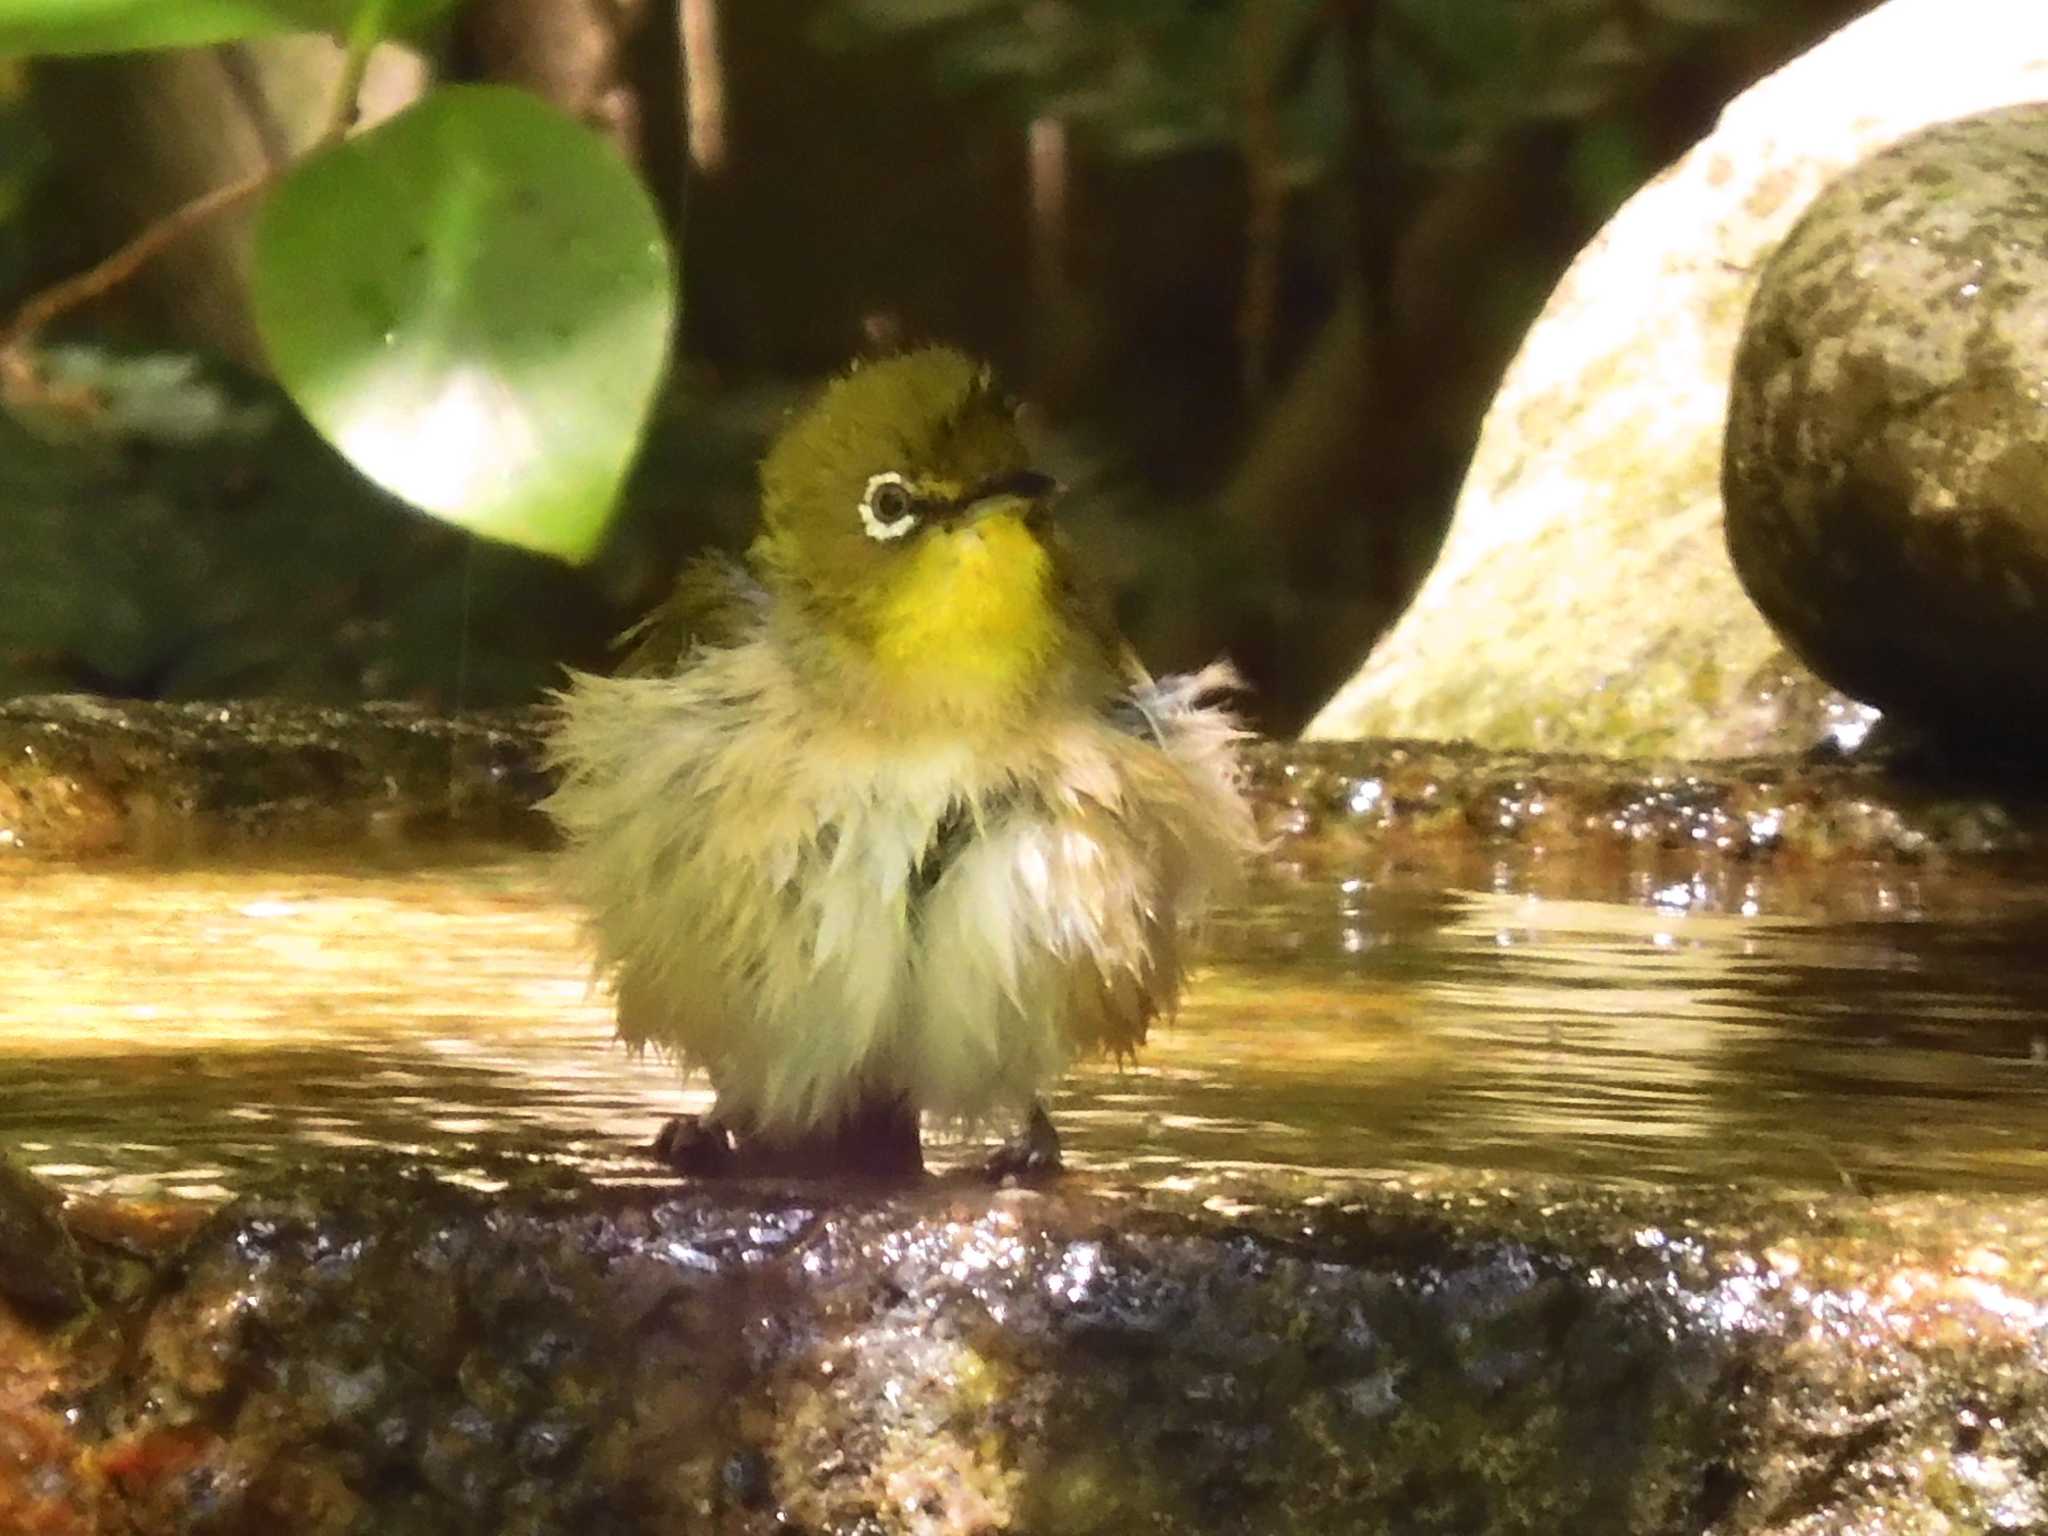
698	1146
1031	1157
879	1140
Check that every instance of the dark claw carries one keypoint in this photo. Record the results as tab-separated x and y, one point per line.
879	1140
1032	1158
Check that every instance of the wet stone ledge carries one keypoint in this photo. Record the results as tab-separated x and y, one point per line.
368	1350
1802	834
82	777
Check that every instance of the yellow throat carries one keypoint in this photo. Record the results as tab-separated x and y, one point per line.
968	625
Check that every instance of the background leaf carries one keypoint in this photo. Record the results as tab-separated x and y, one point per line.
473	302
118	26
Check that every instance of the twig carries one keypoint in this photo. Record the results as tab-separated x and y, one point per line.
364	34
22	380
63	297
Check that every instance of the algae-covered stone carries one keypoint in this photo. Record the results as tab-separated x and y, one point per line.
39	1267
1787	835
1887	459
1584	600
368	1350
82	776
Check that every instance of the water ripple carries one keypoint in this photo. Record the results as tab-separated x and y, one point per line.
174	1030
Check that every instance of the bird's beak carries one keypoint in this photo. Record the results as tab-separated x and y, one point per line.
1024	492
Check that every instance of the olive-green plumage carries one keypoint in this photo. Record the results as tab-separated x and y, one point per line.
887	816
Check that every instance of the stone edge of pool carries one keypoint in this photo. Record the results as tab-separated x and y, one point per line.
373	1347
86	778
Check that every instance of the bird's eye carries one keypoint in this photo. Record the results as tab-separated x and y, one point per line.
888	509
889	502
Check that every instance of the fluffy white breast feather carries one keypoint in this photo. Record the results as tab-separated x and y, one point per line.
816	909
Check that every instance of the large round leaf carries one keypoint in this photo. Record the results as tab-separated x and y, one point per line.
116	26
473	302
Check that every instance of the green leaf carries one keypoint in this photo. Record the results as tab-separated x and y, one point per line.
473	302
117	26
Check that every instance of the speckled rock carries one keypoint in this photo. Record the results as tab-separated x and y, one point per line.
1584	600
1780	834
373	1351
1886	477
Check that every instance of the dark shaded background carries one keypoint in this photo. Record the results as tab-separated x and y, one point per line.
1296	243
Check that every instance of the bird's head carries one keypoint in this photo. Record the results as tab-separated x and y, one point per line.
901	514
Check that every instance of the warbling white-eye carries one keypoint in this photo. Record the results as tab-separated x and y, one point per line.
887	823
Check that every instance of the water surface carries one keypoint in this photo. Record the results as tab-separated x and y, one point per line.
174	1031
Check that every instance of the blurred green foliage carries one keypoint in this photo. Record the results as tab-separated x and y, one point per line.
24	162
1159	77
1146	78
472	301
1397	182
119	26
199	540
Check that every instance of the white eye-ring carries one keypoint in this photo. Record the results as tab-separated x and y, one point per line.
888	508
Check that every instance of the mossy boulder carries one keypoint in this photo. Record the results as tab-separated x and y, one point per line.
1886	477
1585	600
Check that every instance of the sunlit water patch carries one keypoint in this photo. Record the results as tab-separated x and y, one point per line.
176	1030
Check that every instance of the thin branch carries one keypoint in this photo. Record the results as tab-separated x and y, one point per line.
1372	166
704	85
364	34
21	379
246	86
83	287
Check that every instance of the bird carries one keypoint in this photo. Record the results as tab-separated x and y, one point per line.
884	825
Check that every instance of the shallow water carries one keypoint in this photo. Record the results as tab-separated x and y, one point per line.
174	1031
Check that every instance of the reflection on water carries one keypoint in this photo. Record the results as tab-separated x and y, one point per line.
173	1030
